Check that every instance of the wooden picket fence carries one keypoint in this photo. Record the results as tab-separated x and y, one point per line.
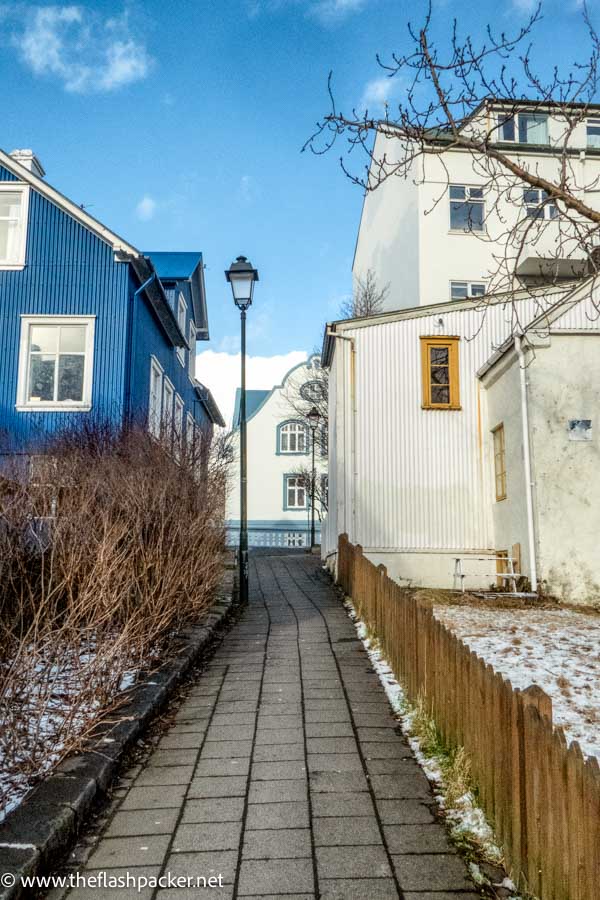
542	797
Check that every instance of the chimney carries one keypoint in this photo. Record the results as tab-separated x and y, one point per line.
28	160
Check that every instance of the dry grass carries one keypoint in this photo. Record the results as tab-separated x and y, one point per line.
108	547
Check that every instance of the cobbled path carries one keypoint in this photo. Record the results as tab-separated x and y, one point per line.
284	771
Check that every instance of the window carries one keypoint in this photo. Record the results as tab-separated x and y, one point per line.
155	401
55	363
499	462
192	346
462	290
292	438
181	317
537	204
294	539
527	127
467	211
13	225
593	133
167	407
294	492
439	364
324	492
178	426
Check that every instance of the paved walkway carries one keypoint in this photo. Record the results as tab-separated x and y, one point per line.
284	771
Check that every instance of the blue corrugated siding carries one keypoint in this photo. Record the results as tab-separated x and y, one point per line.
150	341
68	271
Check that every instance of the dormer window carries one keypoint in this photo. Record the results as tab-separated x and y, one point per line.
13	225
523	127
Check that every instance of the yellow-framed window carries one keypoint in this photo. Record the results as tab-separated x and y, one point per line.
499	461
439	366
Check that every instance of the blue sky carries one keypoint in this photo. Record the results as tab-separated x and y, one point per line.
180	125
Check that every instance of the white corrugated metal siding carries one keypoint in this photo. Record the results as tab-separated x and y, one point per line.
420	481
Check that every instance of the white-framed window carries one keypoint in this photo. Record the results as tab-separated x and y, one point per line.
155	400
14	204
293	438
537	205
192	346
593	133
181	317
190	434
167	407
523	127
467	208
55	363
295	492
178	426
462	290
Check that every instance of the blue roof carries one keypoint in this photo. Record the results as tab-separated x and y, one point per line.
173	266
253	401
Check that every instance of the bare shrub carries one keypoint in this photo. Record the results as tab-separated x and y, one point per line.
110	544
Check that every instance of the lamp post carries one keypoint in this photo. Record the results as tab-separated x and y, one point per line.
314	418
241	276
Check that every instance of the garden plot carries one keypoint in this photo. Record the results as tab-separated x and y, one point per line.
559	650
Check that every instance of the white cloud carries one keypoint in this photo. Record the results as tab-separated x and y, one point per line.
330	11
377	93
221	373
327	12
146	208
85	52
249	188
525	6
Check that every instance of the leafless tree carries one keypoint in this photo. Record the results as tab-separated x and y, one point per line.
467	95
301	395
320	485
367	298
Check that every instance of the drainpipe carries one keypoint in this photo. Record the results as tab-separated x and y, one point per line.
527	462
131	348
353	408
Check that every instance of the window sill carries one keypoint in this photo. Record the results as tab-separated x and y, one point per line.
463	232
53	407
291	453
12	267
442	408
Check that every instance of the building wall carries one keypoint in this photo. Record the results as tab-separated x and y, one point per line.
68	271
502	404
388	238
413	486
150	340
267	468
405	236
565	385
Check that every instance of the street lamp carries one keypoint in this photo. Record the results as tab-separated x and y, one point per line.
241	276
314	417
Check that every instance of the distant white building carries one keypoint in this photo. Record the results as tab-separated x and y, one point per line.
450	439
279	451
438	234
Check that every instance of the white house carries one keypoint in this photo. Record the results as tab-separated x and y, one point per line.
452	228
451	439
279	459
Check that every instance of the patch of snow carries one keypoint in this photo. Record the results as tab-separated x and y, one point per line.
556	649
466	817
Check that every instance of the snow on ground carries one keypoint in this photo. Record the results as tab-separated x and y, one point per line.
466	817
557	649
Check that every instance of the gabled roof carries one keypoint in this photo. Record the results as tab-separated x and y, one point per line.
543	321
254	400
67	206
210	404
175	266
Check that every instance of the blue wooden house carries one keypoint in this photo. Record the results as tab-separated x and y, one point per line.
91	328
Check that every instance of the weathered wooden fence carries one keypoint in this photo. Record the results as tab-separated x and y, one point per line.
540	793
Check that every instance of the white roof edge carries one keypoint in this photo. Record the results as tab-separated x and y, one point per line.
42	186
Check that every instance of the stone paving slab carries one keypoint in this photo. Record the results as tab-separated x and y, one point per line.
284	771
